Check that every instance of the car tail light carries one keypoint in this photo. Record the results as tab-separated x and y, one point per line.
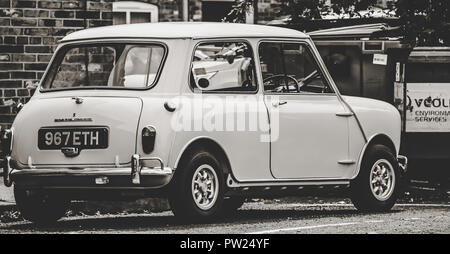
148	139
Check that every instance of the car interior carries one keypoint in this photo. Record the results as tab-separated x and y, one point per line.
290	68
224	67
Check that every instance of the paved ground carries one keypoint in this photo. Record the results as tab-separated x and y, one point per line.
263	218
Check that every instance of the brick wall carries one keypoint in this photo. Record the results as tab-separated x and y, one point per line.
29	31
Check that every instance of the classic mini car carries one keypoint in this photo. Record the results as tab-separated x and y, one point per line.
205	114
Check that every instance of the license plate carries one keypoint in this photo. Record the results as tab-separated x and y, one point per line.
81	138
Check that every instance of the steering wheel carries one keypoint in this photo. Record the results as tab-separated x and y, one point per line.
297	84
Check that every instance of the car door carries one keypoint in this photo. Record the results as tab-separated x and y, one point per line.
226	108
309	127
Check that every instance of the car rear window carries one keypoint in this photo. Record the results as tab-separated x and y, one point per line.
105	66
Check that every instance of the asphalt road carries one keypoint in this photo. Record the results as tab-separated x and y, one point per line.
262	218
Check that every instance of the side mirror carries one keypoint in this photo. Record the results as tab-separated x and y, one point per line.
203	83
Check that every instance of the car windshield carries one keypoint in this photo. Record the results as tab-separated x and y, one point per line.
106	65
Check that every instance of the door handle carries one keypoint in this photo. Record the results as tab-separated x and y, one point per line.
344	114
276	104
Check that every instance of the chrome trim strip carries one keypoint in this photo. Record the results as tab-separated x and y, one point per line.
7	171
135	169
147	171
234	184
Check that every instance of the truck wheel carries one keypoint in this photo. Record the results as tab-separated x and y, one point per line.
197	188
40	207
377	185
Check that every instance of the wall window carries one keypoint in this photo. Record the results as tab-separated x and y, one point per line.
290	68
223	66
129	12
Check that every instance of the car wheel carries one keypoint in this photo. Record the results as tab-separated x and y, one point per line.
40	207
197	188
377	185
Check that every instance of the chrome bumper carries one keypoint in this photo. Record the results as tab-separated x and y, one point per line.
6	164
6	141
128	177
402	163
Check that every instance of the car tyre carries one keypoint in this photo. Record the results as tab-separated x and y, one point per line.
377	185
197	190
40	207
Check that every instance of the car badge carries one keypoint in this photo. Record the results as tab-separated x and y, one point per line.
73	119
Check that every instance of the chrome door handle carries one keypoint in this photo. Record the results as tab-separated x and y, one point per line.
344	114
276	104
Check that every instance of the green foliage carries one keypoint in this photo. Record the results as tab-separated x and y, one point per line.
425	22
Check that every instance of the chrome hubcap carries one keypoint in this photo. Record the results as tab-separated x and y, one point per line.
205	187
382	179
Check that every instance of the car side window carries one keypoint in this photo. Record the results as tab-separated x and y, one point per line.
290	68
223	67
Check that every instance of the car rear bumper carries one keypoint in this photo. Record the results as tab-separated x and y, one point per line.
135	177
90	178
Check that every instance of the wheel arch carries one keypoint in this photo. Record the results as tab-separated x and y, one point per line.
208	143
380	139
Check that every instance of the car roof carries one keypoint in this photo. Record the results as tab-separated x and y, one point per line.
191	30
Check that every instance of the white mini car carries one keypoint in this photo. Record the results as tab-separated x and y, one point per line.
206	114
